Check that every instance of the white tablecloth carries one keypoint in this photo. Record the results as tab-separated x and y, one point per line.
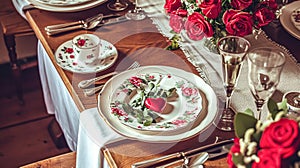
57	98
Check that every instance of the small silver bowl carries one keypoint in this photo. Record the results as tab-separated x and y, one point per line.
293	101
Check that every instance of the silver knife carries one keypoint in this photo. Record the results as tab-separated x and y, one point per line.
112	21
213	150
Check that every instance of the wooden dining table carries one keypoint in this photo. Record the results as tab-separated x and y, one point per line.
135	41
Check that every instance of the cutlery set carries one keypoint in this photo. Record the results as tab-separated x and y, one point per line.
85	84
192	158
88	23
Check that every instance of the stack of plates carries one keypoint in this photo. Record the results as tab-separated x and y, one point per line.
189	105
65	5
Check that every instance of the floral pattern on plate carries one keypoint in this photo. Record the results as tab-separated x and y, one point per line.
295	17
156	102
65	58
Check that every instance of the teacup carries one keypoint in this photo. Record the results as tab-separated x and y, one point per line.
86	49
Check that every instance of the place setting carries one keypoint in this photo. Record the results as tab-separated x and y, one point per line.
152	104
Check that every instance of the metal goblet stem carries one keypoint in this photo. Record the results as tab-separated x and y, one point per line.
117	6
137	13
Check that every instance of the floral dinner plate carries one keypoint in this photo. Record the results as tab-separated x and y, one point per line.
65	58
156	102
116	94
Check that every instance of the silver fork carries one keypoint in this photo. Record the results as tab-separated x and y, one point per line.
86	83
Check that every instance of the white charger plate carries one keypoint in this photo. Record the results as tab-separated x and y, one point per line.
285	19
68	8
65	58
204	121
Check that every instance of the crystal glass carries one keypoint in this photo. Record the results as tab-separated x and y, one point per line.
232	51
118	5
265	66
137	13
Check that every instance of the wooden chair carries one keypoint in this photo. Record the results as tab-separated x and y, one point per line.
67	160
13	25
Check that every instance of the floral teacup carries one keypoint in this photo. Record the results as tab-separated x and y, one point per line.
86	49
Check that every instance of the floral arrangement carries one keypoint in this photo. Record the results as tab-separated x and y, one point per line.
214	19
274	143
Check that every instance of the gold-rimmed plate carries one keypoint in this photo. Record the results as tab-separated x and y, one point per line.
204	119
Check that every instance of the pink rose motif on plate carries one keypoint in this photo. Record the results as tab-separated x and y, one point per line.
178	122
188	91
136	81
118	112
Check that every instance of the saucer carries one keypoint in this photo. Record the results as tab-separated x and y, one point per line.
65	58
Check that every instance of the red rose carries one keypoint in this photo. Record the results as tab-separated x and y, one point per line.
211	8
283	136
197	27
240	4
268	158
229	161
181	12
237	22
172	5
263	17
235	148
176	23
270	4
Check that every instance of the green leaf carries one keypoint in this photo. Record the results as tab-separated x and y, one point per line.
249	112
257	136
148	120
273	108
243	122
238	159
283	105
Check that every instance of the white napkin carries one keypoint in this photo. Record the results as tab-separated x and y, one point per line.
21	6
93	134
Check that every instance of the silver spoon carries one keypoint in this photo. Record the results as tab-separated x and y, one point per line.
57	26
89	24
